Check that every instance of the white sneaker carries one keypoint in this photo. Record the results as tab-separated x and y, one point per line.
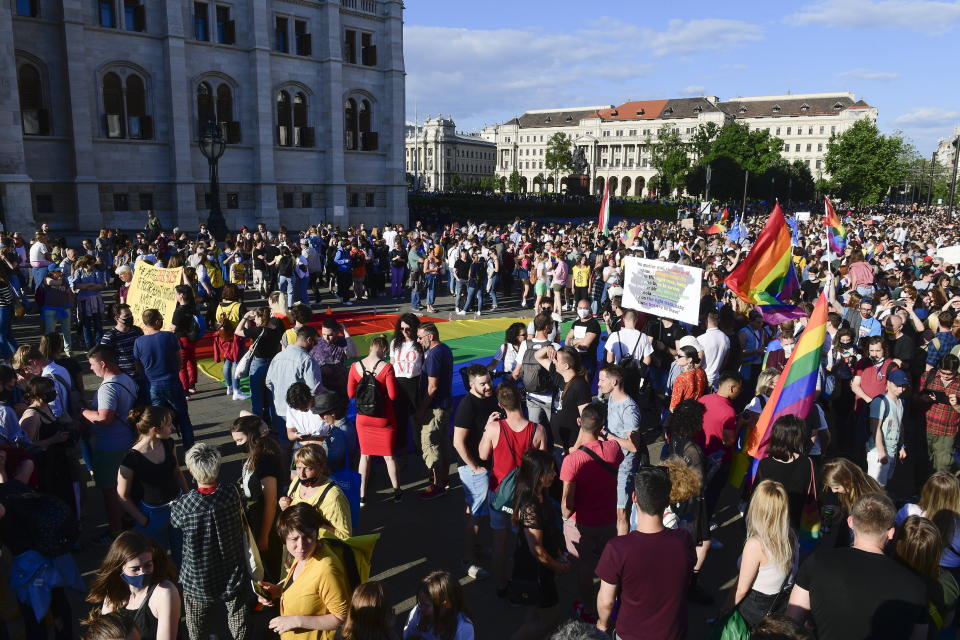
229	392
477	572
239	395
523	304
476	315
461	312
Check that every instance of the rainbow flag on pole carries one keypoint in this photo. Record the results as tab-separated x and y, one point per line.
796	390
604	221
767	277
720	226
631	235
836	232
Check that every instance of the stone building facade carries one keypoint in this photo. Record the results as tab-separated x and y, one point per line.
436	152
617	140
105	100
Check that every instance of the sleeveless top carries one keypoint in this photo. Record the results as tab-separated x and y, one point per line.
143	618
509	450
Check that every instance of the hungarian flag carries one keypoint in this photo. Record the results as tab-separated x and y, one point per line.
604	221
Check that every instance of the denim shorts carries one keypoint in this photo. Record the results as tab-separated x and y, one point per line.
625	475
476	490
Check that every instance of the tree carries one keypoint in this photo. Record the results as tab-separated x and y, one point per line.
514	182
455	182
669	158
754	151
863	163
653	185
704	137
489	184
559	156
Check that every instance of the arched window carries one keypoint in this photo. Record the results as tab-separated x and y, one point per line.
350	124
33	116
138	122
215	106
284	133
358	122
302	134
115	115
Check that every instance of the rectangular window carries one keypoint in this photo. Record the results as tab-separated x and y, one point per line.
146	201
201	26
207	201
820	147
306	200
108	14
121	202
833	130
233	201
809	131
133	16
789	129
350	47
44	203
368	50
354	199
620	132
606	134
281	42
288	200
819	163
809	149
304	43
797	148
778	131
799	131
786	147
821	129
369	199
226	28
27	8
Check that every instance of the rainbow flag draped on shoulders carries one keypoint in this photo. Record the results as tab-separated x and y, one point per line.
836	232
767	278
720	226
796	390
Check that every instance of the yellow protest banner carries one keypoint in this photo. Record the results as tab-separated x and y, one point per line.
153	288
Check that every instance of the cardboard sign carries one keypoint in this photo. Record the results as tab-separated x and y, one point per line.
153	288
687	223
803	216
950	255
662	289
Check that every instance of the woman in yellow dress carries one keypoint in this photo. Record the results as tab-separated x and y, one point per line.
312	486
314	597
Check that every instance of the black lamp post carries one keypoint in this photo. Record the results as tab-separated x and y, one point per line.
212	146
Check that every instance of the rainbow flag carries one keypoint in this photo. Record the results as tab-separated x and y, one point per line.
836	232
631	235
604	221
796	390
767	277
720	226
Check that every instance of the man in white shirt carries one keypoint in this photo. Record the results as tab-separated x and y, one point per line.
389	235
539	401
716	345
628	341
39	258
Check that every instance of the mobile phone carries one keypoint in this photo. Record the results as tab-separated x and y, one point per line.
941	397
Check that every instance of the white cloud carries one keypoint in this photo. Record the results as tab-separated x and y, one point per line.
864	74
487	76
919	15
693	90
928	118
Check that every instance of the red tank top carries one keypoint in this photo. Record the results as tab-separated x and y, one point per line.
509	450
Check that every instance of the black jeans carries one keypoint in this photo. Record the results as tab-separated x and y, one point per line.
344	284
59	611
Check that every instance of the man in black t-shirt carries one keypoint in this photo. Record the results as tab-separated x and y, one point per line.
902	347
569	401
584	334
857	592
472	415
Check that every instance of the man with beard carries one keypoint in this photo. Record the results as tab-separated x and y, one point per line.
473	413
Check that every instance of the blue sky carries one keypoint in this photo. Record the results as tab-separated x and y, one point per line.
488	61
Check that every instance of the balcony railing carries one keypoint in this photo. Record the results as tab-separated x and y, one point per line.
367	6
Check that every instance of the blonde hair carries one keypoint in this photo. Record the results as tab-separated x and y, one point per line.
941	492
278	303
768	522
685	481
765	380
843	473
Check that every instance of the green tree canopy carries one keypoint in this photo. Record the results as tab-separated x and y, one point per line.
559	155
514	182
863	164
669	157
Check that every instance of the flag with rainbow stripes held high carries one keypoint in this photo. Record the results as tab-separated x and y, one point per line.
604	220
796	390
836	232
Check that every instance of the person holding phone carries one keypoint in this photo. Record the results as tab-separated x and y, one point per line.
940	389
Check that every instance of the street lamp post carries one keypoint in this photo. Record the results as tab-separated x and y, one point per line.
953	180
212	146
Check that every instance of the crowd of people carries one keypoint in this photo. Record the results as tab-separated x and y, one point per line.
598	441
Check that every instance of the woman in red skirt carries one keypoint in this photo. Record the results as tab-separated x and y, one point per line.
372	383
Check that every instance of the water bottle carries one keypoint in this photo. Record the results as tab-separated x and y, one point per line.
826	518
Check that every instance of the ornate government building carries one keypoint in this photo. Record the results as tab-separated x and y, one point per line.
617	140
105	101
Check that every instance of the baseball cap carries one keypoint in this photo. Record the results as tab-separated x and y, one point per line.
899	378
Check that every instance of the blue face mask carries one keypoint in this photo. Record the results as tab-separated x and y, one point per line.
137	582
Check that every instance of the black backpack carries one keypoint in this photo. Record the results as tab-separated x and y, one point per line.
369	402
536	379
37	521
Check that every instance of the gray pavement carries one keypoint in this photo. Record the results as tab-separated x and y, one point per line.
416	536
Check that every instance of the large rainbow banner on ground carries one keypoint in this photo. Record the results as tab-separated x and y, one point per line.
471	341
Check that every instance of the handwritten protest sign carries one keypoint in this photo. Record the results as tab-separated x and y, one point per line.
153	288
662	289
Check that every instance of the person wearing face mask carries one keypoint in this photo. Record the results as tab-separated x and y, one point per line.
547	308
584	335
136	580
122	337
779	350
312	486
